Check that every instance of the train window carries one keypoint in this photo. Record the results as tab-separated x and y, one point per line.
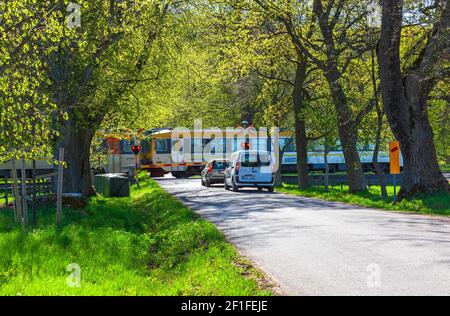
125	146
269	145
163	146
337	146
145	146
288	144
264	144
218	145
197	146
365	147
315	146
231	143
259	143
234	142
113	145
206	142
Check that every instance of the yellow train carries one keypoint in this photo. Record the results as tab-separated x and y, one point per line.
157	151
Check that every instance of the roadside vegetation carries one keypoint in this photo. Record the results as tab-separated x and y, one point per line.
436	203
149	244
445	168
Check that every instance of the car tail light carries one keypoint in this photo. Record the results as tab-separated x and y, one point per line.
237	168
210	170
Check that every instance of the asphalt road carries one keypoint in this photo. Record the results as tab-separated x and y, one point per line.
312	247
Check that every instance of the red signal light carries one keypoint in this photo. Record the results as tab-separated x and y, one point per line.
136	149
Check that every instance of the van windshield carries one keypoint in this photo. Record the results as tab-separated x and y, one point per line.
255	160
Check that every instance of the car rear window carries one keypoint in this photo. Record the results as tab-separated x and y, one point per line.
255	161
220	164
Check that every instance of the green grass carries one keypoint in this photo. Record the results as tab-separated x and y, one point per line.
149	244
438	203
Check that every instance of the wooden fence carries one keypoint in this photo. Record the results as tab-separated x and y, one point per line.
41	187
20	192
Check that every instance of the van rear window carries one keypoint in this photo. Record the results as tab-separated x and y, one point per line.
255	161
220	165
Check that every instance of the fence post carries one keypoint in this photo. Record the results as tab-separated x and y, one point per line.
6	192
17	202
60	186
24	192
33	204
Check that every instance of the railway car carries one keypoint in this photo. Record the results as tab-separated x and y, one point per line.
120	158
156	155
157	146
336	159
43	166
157	149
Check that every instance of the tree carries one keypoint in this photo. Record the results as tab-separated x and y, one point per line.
26	109
94	66
321	118
330	37
276	114
259	43
406	93
343	43
439	118
374	129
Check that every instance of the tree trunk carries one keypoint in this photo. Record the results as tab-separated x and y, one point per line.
278	175
300	125
76	141
405	103
378	170
380	116
422	173
348	133
33	203
327	166
347	126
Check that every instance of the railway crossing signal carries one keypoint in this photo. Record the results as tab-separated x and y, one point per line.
246	145
136	149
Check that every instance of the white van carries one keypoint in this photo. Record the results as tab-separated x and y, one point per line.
250	169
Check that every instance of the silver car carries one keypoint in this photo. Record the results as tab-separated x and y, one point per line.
214	172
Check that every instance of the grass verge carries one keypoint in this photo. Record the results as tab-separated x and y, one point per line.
438	203
149	244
